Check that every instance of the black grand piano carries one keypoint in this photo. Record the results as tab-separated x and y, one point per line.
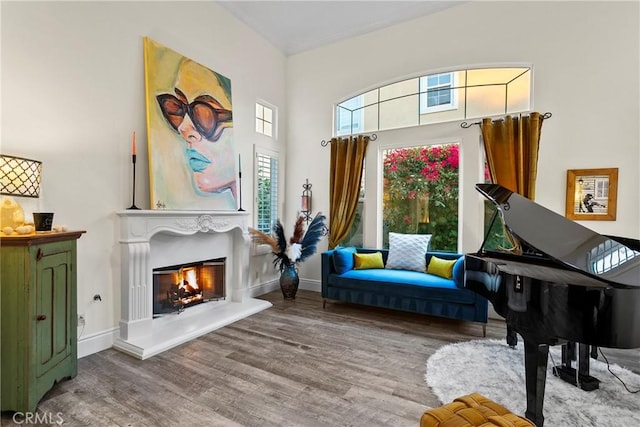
566	286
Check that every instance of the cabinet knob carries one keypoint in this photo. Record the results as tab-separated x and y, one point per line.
41	317
39	255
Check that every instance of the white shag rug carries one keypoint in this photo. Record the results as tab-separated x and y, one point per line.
494	370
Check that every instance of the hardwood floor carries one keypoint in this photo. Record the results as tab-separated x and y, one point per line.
294	364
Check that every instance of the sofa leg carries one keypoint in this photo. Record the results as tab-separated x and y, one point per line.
324	303
484	330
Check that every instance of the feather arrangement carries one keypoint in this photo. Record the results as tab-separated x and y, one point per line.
300	246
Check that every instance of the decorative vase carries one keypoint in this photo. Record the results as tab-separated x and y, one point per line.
289	281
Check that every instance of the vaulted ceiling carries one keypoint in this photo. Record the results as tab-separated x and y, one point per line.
297	26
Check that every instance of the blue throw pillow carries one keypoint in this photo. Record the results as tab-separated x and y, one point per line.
458	272
343	259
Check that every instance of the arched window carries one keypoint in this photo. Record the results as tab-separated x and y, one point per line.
435	98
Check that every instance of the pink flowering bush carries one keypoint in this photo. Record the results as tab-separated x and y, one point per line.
421	193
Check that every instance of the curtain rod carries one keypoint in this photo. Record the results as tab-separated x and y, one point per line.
466	125
372	137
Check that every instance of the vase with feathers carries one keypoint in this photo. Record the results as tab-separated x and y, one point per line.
289	253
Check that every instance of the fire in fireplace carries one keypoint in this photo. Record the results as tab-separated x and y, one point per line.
179	286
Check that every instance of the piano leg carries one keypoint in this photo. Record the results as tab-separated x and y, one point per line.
535	365
512	337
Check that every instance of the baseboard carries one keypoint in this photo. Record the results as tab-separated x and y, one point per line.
97	341
274	285
261	289
310	285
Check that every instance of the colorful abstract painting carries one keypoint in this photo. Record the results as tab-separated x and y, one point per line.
190	131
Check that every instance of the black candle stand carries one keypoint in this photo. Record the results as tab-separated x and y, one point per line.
133	203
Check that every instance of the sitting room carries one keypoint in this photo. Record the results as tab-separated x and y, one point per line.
184	242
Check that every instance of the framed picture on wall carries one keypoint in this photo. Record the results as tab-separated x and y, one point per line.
190	129
592	194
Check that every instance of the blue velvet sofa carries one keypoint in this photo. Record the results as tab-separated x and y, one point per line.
405	290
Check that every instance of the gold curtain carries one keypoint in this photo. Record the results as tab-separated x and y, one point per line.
347	158
511	145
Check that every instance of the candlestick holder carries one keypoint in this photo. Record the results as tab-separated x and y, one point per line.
133	203
240	190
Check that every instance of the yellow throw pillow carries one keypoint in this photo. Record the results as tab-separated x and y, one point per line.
365	261
441	267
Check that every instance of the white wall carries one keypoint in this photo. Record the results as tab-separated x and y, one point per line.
585	58
73	91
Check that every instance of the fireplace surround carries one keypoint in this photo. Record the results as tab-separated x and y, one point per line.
152	239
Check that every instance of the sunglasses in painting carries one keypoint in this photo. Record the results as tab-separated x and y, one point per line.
205	112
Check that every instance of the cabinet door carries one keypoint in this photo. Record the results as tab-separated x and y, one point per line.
53	312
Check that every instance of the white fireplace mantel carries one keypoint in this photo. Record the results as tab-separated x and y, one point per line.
171	234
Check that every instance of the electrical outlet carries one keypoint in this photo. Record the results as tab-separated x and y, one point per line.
81	320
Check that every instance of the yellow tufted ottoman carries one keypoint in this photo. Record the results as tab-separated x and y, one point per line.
472	410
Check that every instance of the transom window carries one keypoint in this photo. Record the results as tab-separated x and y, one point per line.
264	119
435	98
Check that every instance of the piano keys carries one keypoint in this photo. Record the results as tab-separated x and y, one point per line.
563	284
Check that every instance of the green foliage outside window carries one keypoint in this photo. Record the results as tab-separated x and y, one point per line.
264	204
495	236
421	193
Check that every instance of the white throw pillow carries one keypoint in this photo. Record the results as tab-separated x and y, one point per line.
407	251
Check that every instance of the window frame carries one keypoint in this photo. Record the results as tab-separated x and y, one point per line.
411	144
274	192
425	88
357	111
260	118
464	90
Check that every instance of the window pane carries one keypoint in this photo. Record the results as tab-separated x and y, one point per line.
492	76
349	116
371	97
486	101
370	118
355	237
397	113
447	112
519	94
438	97
267	192
420	193
268	115
395	90
264	120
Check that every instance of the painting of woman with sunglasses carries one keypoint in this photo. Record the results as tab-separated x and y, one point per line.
193	127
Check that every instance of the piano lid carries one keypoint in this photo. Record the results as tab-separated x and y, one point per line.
566	241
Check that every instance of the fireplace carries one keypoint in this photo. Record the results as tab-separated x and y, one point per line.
157	245
180	286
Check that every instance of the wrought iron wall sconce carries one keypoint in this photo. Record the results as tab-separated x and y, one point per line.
19	176
305	201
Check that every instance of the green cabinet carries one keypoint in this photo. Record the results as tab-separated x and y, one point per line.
38	317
